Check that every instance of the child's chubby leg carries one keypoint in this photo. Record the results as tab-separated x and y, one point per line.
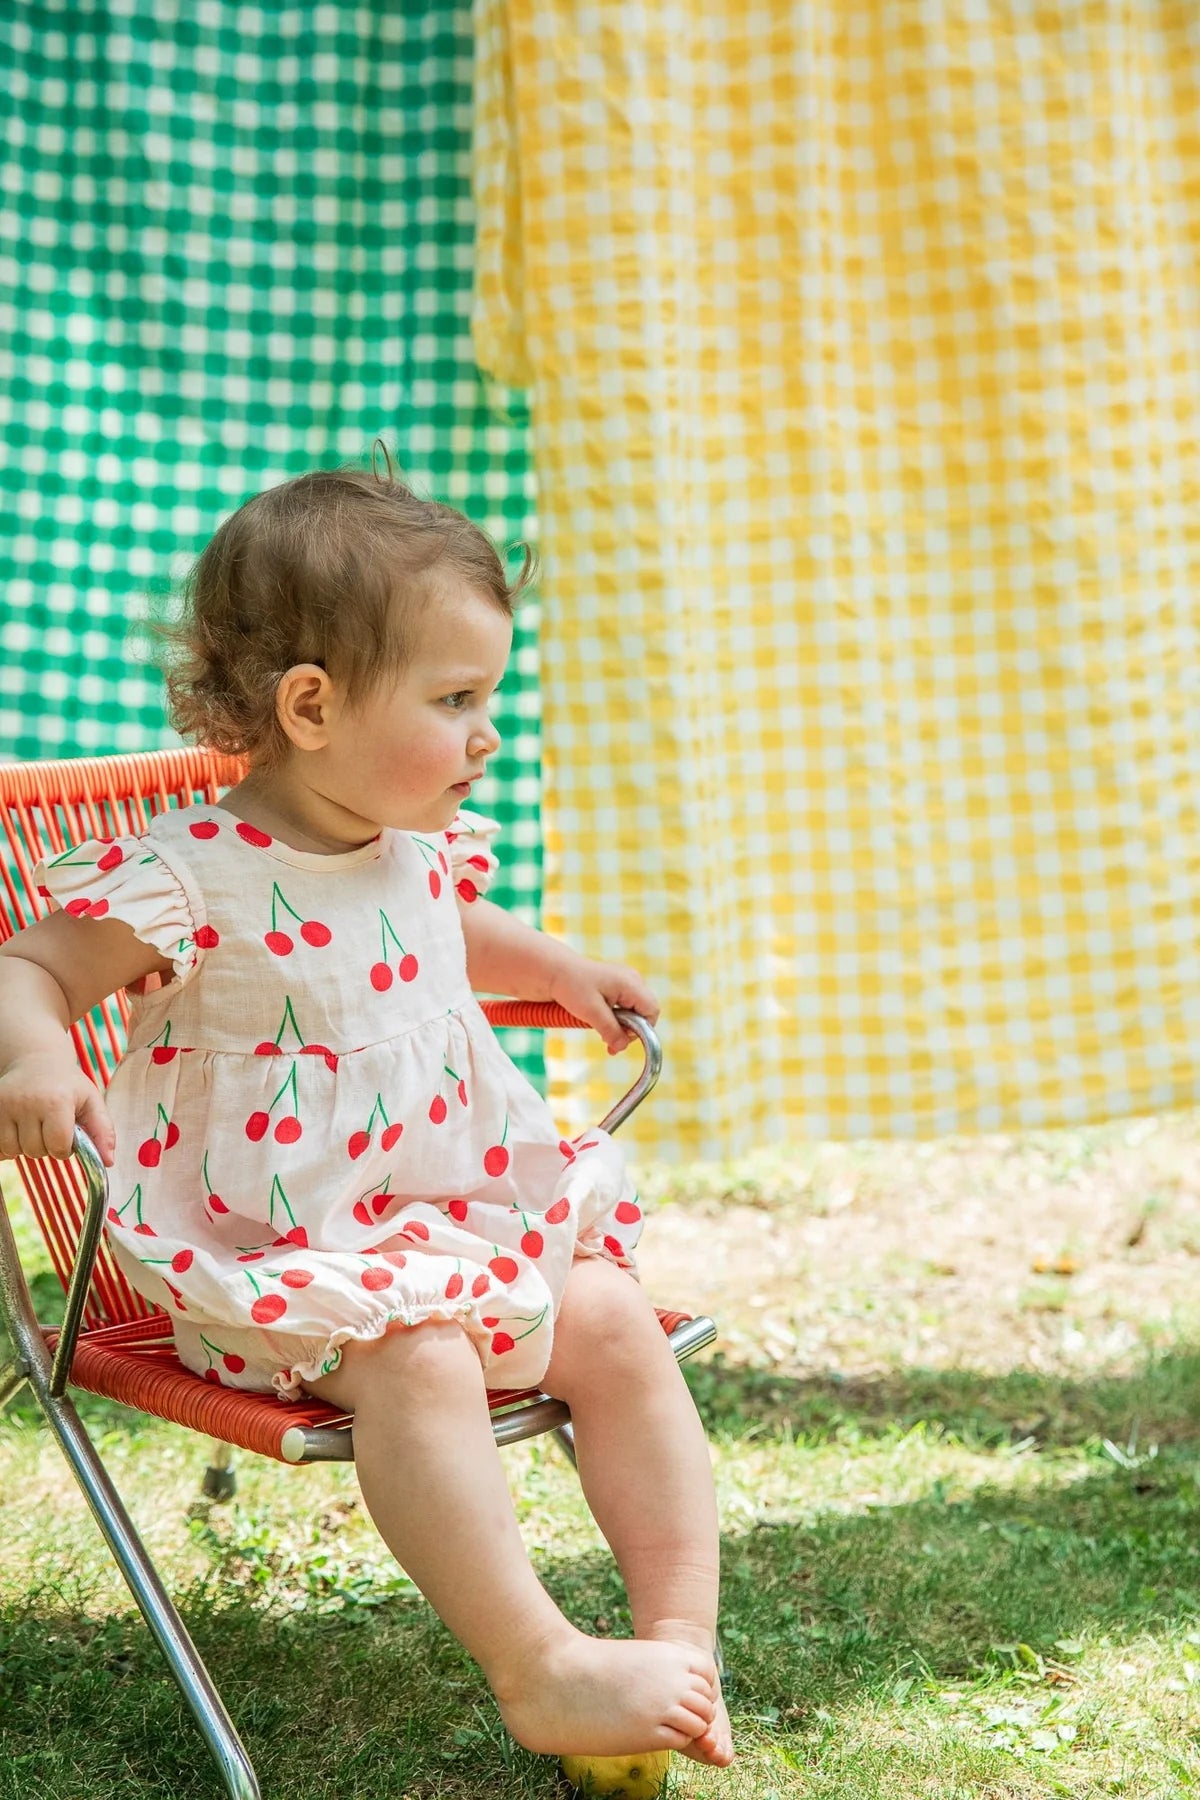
433	1482
643	1463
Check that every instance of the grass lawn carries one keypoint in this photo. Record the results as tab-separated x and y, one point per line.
955	1425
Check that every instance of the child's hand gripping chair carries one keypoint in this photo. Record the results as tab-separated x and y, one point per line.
116	1344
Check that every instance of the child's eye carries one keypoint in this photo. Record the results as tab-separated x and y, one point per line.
456	701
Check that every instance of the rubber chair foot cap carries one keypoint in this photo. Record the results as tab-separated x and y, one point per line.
622	1777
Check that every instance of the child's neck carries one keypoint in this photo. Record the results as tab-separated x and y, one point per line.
297	814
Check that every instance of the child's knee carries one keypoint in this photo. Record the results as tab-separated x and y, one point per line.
605	1328
406	1361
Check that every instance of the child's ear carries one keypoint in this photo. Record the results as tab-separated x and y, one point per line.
305	702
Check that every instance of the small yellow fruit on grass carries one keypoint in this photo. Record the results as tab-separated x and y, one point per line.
622	1777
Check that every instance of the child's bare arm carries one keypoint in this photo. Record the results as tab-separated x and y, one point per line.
505	956
50	975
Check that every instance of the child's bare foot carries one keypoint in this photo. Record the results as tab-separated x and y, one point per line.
715	1745
573	1695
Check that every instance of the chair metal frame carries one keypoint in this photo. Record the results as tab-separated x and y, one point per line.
112	1342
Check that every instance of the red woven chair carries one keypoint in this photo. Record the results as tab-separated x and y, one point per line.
113	1342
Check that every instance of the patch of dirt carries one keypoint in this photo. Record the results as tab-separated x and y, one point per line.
1056	1252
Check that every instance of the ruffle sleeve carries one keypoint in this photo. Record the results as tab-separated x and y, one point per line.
125	879
472	860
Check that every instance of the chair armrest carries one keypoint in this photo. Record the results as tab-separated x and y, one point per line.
548	1015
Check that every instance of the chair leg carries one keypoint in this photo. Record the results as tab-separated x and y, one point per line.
33	1364
219	1481
158	1610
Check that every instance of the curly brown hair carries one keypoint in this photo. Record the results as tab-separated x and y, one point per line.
331	568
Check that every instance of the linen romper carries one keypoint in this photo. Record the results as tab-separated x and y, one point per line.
317	1130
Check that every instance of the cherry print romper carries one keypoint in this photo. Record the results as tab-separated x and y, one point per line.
317	1130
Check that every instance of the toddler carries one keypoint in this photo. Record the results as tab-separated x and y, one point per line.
323	1166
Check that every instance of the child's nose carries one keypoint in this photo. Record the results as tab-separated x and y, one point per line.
486	741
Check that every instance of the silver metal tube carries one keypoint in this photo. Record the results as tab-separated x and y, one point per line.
651	1069
166	1626
96	1176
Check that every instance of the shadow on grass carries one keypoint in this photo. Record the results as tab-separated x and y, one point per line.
1157	1403
824	1614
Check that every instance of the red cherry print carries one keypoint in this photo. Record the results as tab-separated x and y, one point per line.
256	1126
478	862
435	882
381	977
495	1160
45	892
113	1216
503	1268
590	1145
207	938
331	1061
313	932
407	967
181	1261
462	1092
251	1256
267	1050
288	1130
211	1375
357	1143
380	1203
111	858
568	1150
267	1308
172	1136
457	1210
557	1213
279	943
234	1363
437	1109
480	1285
533	1243
502	1342
361	1213
627	1213
454	1286
391	1136
252	834
614	1246
145	1230
207	828
416	1228
77	908
490	1323
467	889
296	1278
444	863
297	1235
163	1053
217	1204
97	909
377	1278
150	1153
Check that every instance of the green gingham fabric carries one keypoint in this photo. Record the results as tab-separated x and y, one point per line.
236	242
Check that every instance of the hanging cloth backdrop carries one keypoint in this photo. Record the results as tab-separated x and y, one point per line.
863	348
236	242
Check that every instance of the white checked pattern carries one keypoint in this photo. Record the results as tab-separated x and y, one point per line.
863	354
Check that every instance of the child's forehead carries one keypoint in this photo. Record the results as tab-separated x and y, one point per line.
463	633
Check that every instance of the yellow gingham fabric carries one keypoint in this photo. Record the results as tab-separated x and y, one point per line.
863	347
